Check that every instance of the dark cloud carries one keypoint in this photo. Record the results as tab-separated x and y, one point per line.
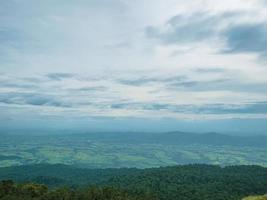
34	99
200	85
18	82
251	38
89	89
223	84
137	81
141	106
60	76
184	29
181	83
248	108
147	80
194	28
7	84
247	38
31	80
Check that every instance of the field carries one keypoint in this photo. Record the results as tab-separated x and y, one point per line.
96	152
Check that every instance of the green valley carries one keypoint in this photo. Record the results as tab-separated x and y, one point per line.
141	150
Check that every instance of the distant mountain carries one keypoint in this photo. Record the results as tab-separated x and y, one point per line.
175	137
178	138
211	139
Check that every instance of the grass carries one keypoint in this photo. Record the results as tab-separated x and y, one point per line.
256	198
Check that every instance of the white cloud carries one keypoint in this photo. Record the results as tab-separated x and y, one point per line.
104	42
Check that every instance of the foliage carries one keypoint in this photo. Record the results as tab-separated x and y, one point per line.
187	182
32	191
198	182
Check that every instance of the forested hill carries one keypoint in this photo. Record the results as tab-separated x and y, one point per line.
59	175
32	191
198	182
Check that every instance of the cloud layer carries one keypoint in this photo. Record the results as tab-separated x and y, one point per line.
173	59
179	97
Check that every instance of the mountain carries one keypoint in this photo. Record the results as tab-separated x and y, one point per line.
186	138
175	137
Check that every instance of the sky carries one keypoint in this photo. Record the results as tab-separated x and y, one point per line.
154	65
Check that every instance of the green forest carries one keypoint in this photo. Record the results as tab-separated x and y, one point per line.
183	182
32	191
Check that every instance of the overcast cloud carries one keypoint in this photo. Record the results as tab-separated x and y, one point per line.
120	59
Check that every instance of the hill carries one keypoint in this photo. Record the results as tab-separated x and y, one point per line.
187	182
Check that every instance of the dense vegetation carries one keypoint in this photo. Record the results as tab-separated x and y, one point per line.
141	150
60	175
188	182
198	182
33	191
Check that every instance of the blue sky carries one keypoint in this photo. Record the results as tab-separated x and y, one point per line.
134	65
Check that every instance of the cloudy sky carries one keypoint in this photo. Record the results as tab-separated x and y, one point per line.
196	65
